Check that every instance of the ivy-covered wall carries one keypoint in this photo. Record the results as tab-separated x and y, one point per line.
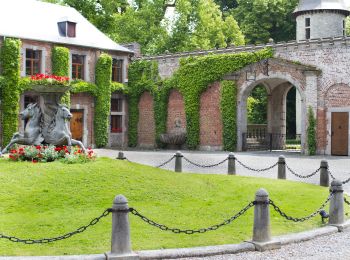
12	86
191	79
10	90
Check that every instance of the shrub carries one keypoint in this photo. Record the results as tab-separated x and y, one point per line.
311	132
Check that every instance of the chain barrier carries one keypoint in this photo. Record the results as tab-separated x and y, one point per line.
303	176
330	174
257	170
276	208
204	166
53	239
192	231
346	201
165	163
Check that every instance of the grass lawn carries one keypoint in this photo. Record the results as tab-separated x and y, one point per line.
46	200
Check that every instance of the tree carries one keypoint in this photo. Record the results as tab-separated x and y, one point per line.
257	106
263	19
226	5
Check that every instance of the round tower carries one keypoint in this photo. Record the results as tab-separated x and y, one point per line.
320	18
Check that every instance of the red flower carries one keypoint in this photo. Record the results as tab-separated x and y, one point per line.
34	161
38	147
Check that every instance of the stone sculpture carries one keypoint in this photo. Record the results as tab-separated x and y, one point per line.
47	121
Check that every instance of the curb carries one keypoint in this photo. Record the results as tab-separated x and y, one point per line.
201	251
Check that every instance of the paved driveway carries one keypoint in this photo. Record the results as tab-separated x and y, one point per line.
301	164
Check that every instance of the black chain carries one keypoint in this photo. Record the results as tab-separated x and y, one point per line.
330	174
303	176
166	162
53	239
255	169
191	231
276	208
346	181
204	166
346	201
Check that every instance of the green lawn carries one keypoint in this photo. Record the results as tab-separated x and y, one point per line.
46	200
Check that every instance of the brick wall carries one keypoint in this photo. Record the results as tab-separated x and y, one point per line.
146	124
176	110
210	118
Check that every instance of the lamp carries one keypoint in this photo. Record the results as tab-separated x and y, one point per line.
263	66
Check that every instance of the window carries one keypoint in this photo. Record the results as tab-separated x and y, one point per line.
78	66
116	123
344	28
33	62
67	29
117	70
116	105
307	28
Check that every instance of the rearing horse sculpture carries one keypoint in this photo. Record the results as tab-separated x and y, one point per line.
57	132
32	132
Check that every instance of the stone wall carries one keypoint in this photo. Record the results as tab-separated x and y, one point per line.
146	125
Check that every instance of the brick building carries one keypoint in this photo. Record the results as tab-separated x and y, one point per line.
317	64
40	26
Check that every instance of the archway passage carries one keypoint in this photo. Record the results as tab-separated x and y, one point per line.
271	115
278	77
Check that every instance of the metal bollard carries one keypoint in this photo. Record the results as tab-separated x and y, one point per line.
121	156
324	176
261	230
231	167
336	206
281	167
178	161
121	244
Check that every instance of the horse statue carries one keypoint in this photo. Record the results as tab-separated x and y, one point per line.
32	131
57	132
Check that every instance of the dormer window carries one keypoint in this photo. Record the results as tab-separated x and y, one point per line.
67	29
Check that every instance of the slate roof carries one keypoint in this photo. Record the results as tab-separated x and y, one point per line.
35	20
312	5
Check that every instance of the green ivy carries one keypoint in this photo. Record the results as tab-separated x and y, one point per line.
10	91
143	76
228	105
103	99
311	132
191	79
60	67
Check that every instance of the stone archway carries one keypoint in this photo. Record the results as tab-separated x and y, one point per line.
282	75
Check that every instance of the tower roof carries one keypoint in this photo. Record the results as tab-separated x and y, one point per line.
321	5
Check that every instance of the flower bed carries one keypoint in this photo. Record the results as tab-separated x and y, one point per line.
42	153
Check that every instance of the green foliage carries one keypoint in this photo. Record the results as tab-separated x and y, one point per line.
10	91
311	132
78	86
103	99
60	67
348	25
263	19
257	106
191	79
228	105
143	76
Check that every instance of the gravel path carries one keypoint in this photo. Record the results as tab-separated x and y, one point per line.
303	165
335	246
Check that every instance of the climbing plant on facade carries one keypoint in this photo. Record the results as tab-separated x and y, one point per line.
191	79
10	91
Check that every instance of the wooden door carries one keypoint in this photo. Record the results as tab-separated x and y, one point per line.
76	124
340	133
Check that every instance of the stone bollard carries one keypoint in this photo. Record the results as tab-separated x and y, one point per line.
261	230
121	156
121	244
231	167
281	167
324	176
336	206
178	161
